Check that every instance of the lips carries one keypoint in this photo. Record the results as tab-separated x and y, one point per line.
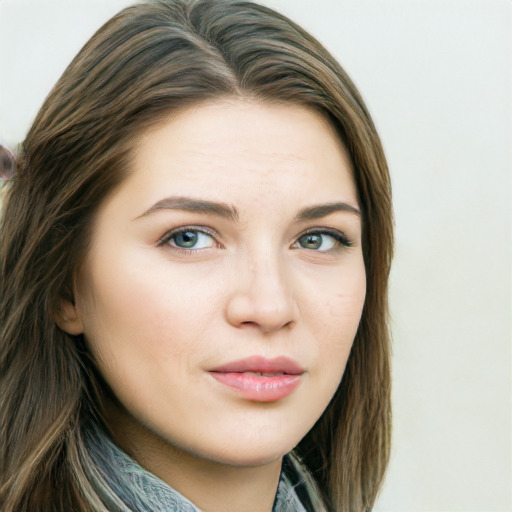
259	364
259	379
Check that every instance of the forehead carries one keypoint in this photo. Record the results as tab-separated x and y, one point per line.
233	149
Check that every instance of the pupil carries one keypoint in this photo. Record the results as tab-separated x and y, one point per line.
186	239
312	241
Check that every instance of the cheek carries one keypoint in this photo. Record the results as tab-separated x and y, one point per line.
339	301
339	315
138	330
146	322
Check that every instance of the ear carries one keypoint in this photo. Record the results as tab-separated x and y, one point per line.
68	318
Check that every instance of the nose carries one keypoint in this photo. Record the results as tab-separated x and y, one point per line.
262	296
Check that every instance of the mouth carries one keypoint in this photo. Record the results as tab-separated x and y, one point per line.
262	365
259	379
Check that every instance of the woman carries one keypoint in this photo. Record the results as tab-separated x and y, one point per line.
195	254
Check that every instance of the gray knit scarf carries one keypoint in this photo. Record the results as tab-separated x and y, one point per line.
124	486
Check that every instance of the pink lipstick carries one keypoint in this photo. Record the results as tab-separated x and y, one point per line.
259	379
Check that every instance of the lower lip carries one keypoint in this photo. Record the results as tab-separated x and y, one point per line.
259	388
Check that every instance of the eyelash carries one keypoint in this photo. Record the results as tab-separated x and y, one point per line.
340	237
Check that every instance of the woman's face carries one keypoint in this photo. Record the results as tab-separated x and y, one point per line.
225	281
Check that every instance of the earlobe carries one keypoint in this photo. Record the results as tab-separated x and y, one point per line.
68	318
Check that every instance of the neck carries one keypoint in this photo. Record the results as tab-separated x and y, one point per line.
210	485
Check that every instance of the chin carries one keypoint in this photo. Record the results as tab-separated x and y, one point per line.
247	458
251	451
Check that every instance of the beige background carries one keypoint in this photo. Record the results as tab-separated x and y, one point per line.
437	76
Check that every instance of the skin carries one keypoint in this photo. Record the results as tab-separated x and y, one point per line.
158	317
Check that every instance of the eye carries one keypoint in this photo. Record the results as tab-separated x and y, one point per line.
321	241
189	238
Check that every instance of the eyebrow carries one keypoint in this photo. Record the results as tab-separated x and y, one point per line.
194	205
320	211
229	212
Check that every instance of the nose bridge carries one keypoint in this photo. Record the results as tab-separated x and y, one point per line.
263	294
267	274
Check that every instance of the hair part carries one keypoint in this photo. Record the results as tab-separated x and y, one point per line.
142	65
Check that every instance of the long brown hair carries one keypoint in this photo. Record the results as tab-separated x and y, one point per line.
141	65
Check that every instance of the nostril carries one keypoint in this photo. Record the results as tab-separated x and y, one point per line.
249	324
265	326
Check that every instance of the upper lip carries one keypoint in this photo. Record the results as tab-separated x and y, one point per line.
260	364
